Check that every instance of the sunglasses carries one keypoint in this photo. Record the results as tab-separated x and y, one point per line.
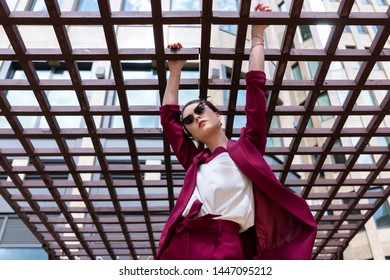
198	110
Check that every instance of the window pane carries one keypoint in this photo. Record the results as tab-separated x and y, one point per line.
353	212
28	121
362	158
241	98
38	6
282	7
62	98
23	254
305	32
381	2
116	122
239	121
313	65
382	141
362	29
70	121
228	5
296	72
354	64
186	95
347	29
11	4
185	5
87	5
336	65
342	95
229	28
366	97
377	66
145	121
382	215
323	100
143	74
61	74
43	74
21	98
144	97
17	74
275	141
338	158
4	123
186	74
137	5
310	123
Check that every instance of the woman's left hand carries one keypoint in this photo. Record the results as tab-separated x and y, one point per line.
258	30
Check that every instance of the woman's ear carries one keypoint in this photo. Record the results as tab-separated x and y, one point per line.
219	117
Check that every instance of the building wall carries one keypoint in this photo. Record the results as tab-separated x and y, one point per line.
371	242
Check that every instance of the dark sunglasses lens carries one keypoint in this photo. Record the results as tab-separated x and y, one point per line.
199	109
188	120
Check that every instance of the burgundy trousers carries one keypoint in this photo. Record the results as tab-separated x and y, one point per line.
204	238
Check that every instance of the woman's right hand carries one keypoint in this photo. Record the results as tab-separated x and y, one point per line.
176	65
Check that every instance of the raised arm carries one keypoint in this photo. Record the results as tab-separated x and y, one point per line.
172	89
256	58
183	147
255	108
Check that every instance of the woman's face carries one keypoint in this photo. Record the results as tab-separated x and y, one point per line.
201	121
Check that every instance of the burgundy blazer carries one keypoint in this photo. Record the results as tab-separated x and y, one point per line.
284	225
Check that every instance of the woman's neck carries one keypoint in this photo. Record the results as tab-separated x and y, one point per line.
219	140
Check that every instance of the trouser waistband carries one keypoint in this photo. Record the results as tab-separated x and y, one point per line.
193	223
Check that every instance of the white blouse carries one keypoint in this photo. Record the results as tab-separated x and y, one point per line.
224	190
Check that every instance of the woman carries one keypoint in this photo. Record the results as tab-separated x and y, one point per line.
231	205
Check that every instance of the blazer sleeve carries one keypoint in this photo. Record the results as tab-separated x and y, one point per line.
183	147
255	110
